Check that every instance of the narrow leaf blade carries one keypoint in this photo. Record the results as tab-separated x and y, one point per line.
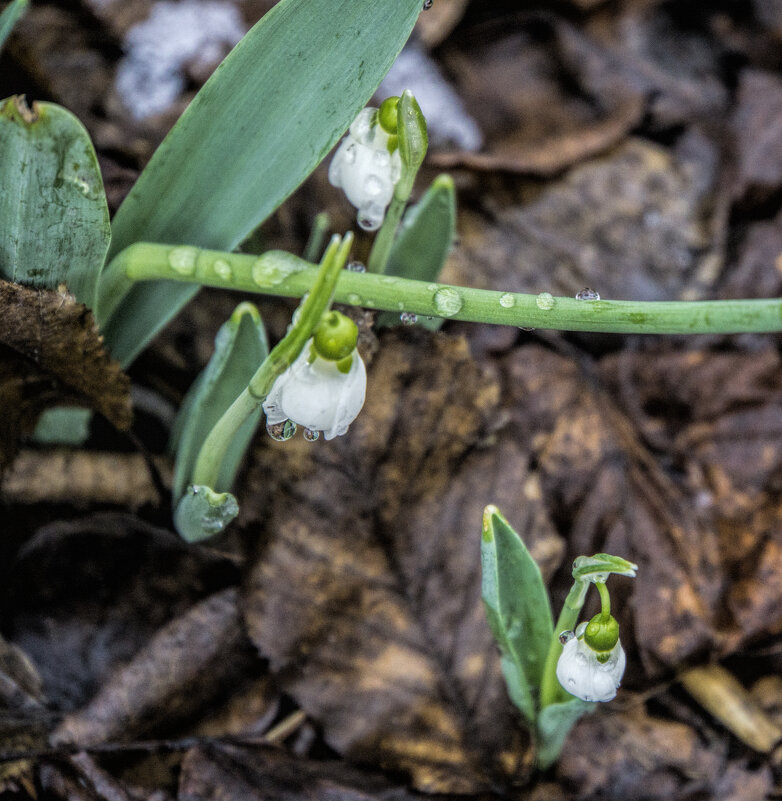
240	347
517	607
424	240
260	125
54	221
553	726
10	16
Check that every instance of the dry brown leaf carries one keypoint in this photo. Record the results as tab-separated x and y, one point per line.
369	610
188	662
51	353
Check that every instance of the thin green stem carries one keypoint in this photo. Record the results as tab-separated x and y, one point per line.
212	453
605	600
550	690
278	273
384	241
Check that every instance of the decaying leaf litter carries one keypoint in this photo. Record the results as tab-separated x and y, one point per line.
630	148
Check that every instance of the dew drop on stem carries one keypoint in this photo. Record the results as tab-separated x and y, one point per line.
356	267
588	293
408	318
545	301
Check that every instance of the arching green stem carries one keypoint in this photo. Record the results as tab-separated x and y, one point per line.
279	273
605	600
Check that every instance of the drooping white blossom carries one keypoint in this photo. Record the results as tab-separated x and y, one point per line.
581	673
317	395
365	170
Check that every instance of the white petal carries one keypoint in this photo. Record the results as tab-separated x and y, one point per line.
582	675
318	396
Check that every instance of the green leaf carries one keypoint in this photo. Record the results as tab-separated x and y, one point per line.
517	608
201	513
598	567
424	241
10	16
54	221
240	348
265	119
553	725
413	142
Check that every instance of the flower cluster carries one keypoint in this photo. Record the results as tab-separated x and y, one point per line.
367	165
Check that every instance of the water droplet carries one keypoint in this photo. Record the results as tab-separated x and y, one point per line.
382	158
571	682
223	269
373	185
354	299
350	154
281	432
545	301
507	301
356	267
310	435
183	260
428	4
525	329
447	301
408	318
431	287
587	294
566	636
270	271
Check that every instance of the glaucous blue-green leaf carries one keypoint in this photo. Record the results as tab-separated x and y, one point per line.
517	608
201	513
423	242
553	724
269	114
54	221
9	17
240	348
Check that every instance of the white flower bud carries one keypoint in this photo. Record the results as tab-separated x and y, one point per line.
581	673
365	170
317	395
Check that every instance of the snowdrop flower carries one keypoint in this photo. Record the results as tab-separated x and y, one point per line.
593	661
367	164
324	388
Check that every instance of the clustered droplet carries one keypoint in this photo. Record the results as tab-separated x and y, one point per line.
587	294
408	318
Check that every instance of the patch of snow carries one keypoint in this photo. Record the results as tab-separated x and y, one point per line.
193	34
446	117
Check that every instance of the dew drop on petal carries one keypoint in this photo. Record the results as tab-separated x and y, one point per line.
566	636
545	301
571	682
310	435
587	294
408	318
373	185
350	154
281	432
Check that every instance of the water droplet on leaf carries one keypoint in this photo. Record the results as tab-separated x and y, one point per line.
408	318
356	267
223	269
183	260
587	294
545	301
447	301
507	301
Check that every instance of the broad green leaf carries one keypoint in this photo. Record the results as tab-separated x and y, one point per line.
201	513
10	16
598	567
54	221
423	241
240	348
517	608
265	119
553	725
